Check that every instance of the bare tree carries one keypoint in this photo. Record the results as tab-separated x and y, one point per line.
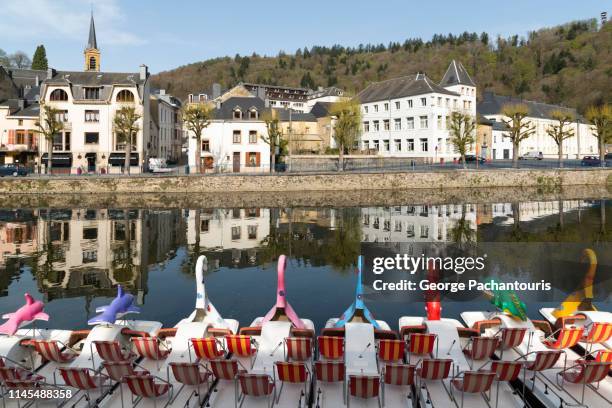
461	130
126	127
561	130
20	60
274	135
519	129
348	124
196	117
601	119
48	126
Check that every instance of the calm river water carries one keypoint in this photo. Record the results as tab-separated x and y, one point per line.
73	258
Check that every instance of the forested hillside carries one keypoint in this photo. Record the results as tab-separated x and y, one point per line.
569	64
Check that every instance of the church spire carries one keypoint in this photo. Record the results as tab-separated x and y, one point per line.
92	53
92	43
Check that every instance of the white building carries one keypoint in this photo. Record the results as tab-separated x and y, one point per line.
284	97
329	95
583	143
408	116
166	128
233	142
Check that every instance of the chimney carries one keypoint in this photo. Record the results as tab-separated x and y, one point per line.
37	81
261	93
266	103
144	72
21	104
216	90
50	73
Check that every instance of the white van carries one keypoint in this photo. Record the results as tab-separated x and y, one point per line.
158	165
532	155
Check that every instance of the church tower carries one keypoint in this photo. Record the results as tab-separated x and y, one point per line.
92	53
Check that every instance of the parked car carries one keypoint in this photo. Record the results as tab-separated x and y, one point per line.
280	167
471	158
533	155
159	166
590	161
12	170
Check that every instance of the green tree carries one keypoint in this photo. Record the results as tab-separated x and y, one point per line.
461	128
196	117
126	127
519	129
561	130
48	126
601	119
346	119
274	136
39	60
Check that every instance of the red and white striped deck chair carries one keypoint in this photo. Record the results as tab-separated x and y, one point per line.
422	344
226	370
22	385
190	374
85	380
298	348
473	382
544	360
505	371
16	373
112	351
240	346
391	350
256	386
566	338
511	337
399	375
206	348
331	347
480	348
585	372
118	370
146	386
294	372
363	386
598	333
433	369
330	371
150	348
49	350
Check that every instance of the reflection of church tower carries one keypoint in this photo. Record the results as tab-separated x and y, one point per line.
92	53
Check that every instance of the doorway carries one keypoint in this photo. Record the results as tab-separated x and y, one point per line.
91	162
236	162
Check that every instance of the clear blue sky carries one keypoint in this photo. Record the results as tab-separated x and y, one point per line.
166	34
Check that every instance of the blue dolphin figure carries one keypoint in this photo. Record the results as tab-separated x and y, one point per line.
120	305
358	306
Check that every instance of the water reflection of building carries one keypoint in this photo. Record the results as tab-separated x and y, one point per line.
18	242
166	231
88	252
504	213
234	235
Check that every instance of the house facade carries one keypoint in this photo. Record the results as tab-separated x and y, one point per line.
409	116
166	128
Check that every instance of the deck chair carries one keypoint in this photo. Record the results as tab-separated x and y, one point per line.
433	369
191	375
207	348
505	371
331	347
146	386
16	372
391	350
298	348
118	370
112	351
422	344
598	333
241	346
257	385
84	380
544	360
480	348
566	338
295	373
28	384
363	386
331	372
150	348
473	382
50	350
511	337
604	356
585	373
398	374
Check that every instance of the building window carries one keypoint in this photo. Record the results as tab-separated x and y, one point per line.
376	126
423	101
92	93
398	145
90	233
237	114
92	116
397	105
375	108
386	124
386	145
410	103
236	139
19	122
424	123
89	257
205	145
439	101
410	145
455	103
424	145
376	145
398	124
386	107
92	137
439	121
58	95
61	116
448	102
125	96
252	231
365	109
251	159
366	126
236	232
253	114
252	136
410	123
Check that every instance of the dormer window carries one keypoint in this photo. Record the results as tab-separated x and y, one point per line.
237	113
58	95
125	96
253	113
92	93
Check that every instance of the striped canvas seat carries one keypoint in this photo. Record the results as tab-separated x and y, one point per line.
224	369
329	371
50	351
118	370
398	374
331	347
293	372
362	386
112	351
240	345
511	337
566	338
149	347
23	384
481	347
434	369
298	348
391	350
586	372
421	343
598	333
80	378
544	360
145	386
255	385
474	381
189	373
506	370
604	356
206	348
17	374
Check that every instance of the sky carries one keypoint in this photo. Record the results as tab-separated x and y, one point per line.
167	34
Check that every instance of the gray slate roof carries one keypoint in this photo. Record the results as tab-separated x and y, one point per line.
321	109
493	104
92	78
283	115
410	85
329	91
456	74
244	103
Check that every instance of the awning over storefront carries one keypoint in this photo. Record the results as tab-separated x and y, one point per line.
118	159
58	159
